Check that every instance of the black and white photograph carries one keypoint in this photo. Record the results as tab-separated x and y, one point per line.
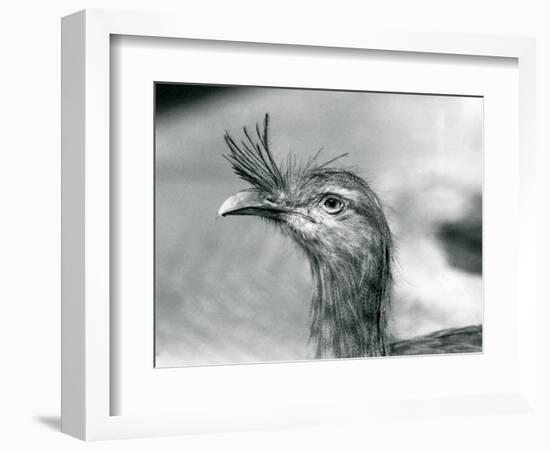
295	224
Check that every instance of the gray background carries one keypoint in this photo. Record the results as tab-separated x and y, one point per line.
233	290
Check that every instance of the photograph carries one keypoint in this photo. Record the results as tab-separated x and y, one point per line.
295	224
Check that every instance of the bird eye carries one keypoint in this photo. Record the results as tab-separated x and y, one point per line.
332	205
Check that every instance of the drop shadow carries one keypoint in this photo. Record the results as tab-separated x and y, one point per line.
51	422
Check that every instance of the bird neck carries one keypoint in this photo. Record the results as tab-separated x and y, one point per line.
350	306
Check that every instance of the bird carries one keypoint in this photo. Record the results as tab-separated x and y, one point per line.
334	216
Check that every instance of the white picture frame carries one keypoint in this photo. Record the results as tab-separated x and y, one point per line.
87	383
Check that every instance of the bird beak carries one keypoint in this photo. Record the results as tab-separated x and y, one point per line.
250	203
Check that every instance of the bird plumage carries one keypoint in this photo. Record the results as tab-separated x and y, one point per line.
335	217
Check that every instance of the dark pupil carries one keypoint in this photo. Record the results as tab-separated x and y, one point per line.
332	203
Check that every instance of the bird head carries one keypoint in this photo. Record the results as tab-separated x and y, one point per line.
331	213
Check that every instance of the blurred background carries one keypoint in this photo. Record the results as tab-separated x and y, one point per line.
234	290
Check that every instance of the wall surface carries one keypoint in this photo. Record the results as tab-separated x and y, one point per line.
29	230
